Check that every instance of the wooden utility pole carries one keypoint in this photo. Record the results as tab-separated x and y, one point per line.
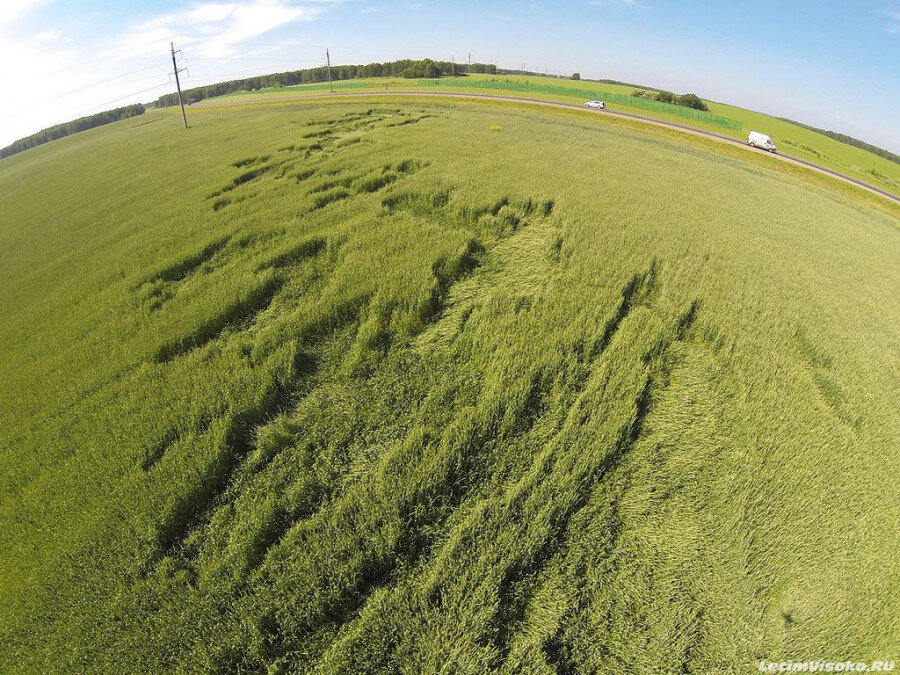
453	65
178	83
328	57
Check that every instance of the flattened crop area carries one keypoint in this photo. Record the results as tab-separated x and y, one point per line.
344	388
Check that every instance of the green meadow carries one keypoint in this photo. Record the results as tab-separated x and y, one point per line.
415	386
790	138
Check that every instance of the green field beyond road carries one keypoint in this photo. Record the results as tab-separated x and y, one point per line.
722	119
381	386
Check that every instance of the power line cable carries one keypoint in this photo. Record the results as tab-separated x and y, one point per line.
108	79
242	74
247	58
78	89
269	44
122	98
201	81
83	64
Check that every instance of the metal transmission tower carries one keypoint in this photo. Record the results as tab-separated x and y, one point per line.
178	83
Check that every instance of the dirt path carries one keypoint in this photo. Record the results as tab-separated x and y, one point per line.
558	104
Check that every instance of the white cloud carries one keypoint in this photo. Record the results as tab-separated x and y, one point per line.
212	29
12	10
60	79
209	13
893	28
47	69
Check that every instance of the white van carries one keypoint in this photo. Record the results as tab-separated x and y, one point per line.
596	105
761	141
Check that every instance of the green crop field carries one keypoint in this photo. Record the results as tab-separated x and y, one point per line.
380	386
790	138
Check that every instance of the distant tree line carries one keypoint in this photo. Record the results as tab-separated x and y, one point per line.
73	127
422	69
406	68
849	140
573	76
687	100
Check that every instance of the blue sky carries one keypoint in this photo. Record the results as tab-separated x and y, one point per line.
826	63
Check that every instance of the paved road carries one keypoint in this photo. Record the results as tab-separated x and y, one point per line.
557	104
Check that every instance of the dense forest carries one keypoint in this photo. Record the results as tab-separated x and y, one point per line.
73	127
426	68
849	140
